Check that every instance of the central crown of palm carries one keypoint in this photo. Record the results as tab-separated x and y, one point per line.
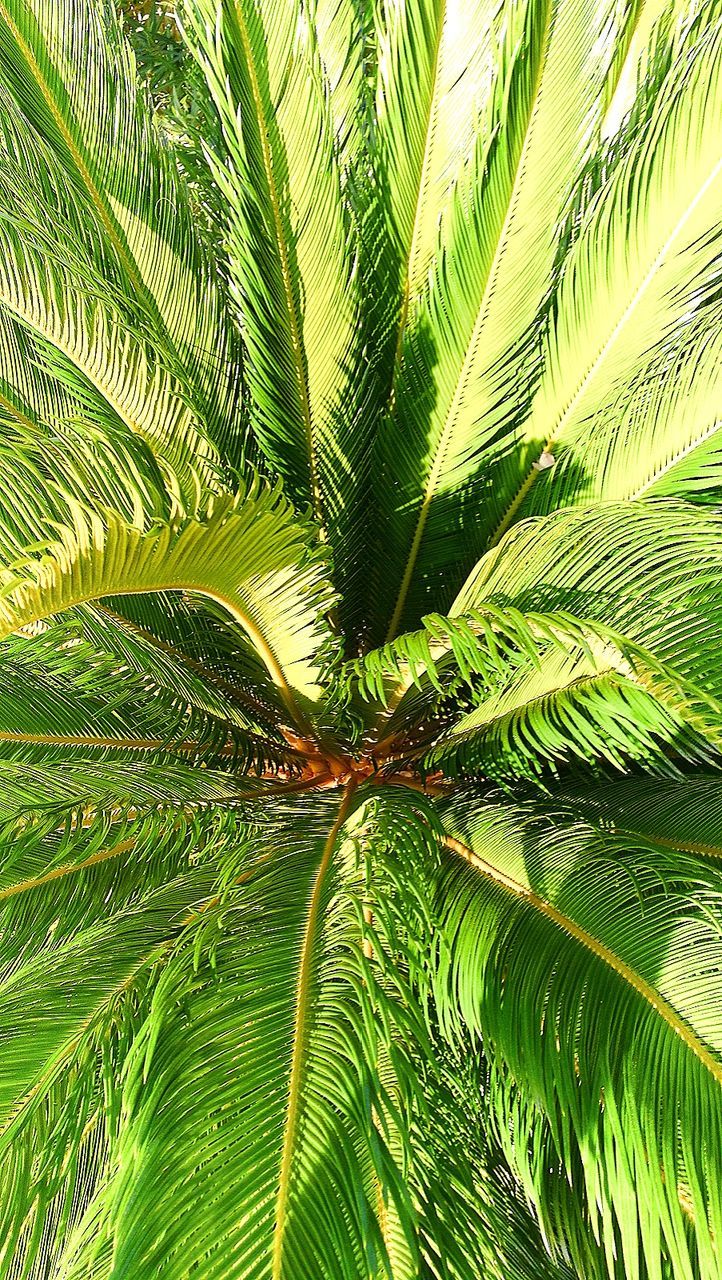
360	814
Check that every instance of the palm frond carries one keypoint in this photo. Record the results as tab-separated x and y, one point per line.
91	351
462	382
72	1018
297	1142
249	554
682	813
287	237
342	30
459	1167
432	56
62	696
651	567
504	693
84	784
75	85
619	309
595	708
591	966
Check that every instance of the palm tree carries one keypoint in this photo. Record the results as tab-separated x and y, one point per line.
360	729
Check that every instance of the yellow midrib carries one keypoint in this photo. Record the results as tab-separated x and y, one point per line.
440	452
293	319
250	627
35	882
128	744
18	414
597	948
300	1033
679	845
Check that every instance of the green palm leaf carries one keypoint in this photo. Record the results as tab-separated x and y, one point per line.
94	354
75	85
618	1012
652	567
245	546
287	236
497	246
610	320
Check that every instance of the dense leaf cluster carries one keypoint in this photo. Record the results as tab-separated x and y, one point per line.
360	683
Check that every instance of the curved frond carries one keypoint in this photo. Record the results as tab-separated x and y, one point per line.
92	352
249	555
589	705
591	966
649	568
505	693
682	813
64	697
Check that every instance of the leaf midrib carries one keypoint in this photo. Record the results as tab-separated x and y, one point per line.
604	953
674	461
301	1032
460	388
57	873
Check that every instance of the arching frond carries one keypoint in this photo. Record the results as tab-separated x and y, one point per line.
592	707
683	813
504	693
651	566
64	698
249	555
90	351
591	966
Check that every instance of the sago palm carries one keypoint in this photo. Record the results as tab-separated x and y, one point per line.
361	594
